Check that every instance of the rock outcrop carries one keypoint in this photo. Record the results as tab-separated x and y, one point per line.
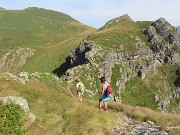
15	59
164	38
83	54
129	127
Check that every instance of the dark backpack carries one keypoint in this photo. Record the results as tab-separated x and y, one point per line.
108	91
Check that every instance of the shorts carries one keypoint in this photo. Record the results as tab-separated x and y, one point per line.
79	93
105	99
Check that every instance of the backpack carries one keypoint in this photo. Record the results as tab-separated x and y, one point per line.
81	87
108	91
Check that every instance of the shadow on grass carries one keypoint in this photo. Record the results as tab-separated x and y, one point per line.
63	68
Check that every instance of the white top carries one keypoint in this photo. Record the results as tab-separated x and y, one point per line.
77	85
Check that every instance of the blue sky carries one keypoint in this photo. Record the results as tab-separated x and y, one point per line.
97	12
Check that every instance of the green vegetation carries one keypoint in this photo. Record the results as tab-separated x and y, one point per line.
11	119
58	111
159	82
51	34
36	27
123	33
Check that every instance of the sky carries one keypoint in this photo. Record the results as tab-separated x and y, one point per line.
97	12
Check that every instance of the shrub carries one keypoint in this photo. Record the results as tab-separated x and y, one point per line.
11	118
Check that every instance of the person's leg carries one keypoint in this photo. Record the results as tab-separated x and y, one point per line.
80	98
105	105
100	104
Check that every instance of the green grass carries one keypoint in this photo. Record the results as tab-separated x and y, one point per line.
51	34
57	111
47	59
159	82
123	33
36	27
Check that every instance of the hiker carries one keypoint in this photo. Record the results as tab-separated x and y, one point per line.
80	89
103	97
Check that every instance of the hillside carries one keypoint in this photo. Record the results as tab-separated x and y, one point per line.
45	32
44	52
140	59
58	111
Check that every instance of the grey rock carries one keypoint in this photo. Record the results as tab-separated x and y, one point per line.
17	59
82	54
156	98
174	39
162	27
172	58
162	105
16	100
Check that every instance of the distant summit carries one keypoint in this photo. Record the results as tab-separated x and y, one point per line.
178	28
1	8
124	17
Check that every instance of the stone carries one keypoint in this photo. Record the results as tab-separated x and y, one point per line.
15	60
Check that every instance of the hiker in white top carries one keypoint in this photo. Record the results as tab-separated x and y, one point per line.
80	89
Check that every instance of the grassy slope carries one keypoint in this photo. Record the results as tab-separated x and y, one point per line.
52	34
159	82
58	111
119	33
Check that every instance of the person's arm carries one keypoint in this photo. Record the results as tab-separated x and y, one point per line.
77	86
102	93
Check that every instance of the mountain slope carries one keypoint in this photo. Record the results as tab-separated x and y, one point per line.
44	31
133	56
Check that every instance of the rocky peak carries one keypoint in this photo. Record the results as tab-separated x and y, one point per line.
124	17
163	28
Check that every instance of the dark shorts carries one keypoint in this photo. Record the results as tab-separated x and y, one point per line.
79	93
